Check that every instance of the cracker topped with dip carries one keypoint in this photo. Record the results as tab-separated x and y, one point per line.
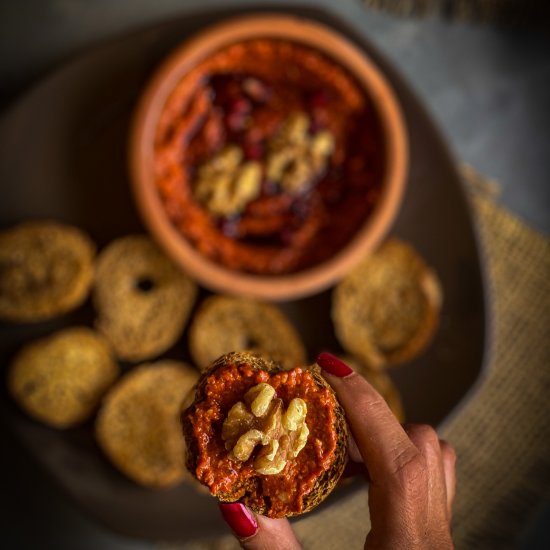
274	440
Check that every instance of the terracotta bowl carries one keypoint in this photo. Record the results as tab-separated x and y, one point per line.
310	280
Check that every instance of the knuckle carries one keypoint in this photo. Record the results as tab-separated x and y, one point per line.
408	463
372	406
448	451
423	435
410	472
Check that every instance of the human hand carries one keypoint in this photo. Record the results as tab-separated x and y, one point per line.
411	473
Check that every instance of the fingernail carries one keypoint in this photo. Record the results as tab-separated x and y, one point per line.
239	518
331	364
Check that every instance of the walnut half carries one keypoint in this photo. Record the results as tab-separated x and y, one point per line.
297	158
225	184
260	419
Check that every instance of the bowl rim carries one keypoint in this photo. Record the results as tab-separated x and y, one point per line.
212	38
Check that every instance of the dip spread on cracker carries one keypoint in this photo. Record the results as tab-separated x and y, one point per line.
274	440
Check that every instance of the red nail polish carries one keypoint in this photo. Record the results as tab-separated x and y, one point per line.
240	519
331	364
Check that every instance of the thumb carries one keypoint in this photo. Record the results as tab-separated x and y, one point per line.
257	532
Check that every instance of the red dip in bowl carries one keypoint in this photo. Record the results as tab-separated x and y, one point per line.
268	157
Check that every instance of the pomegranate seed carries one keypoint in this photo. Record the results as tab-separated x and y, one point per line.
229	227
253	151
319	99
235	121
240	105
237	112
256	89
315	126
286	236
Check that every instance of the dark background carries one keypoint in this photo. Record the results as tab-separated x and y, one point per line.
487	87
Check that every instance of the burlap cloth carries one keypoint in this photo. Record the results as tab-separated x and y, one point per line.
502	435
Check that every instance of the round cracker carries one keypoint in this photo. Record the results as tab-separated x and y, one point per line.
143	300
138	425
386	310
224	324
246	491
46	269
61	379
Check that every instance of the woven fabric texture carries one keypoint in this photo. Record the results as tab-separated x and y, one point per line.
502	435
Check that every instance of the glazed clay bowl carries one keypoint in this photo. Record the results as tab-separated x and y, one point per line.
165	96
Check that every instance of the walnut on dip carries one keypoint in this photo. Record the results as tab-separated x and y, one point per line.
272	439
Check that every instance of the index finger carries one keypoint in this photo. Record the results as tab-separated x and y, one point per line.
382	441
